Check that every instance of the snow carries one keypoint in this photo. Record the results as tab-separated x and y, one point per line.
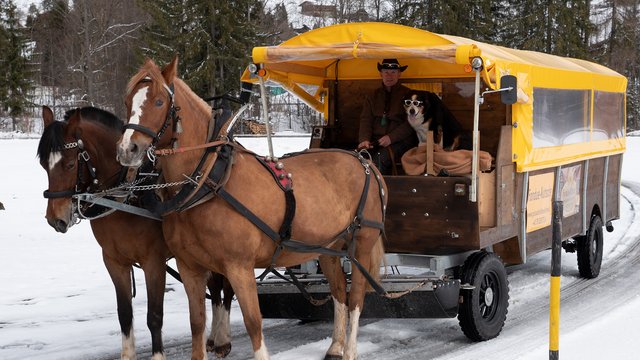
57	301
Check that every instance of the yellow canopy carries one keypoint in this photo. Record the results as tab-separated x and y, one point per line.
351	51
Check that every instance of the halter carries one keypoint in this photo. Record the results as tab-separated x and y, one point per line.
172	117
83	158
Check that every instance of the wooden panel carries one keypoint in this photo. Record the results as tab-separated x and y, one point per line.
487	199
613	188
509	251
425	217
594	186
458	95
539	240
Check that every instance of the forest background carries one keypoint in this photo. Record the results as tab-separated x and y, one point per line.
72	53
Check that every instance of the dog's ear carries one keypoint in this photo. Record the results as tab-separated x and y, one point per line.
425	101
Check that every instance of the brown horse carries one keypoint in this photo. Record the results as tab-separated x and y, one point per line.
332	198
79	155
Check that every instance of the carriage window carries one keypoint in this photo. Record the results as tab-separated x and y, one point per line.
608	115
560	117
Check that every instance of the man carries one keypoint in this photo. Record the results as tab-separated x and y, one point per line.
384	128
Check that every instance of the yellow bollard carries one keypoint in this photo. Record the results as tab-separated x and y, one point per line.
554	291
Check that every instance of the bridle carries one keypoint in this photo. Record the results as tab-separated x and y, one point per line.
171	118
84	160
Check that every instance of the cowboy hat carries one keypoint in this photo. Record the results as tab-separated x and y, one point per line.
391	64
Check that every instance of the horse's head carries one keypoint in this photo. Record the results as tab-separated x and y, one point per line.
75	153
151	112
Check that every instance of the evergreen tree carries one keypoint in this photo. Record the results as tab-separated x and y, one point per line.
212	38
615	44
573	27
48	30
14	83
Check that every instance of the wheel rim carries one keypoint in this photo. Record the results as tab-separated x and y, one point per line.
596	248
488	295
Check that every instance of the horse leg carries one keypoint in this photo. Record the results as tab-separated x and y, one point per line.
121	277
219	340
332	270
154	273
194	280
369	260
244	284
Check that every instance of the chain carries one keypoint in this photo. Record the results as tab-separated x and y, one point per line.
123	190
156	186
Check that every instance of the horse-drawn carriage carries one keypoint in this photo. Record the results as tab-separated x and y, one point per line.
560	137
555	134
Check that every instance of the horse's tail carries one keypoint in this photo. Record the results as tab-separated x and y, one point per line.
377	259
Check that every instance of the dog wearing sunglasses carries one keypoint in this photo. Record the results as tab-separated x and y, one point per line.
426	112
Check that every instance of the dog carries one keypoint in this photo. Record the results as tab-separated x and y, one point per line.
426	112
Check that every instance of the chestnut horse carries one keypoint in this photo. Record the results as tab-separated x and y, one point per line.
336	193
78	155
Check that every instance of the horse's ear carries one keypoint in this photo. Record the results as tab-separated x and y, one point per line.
170	71
47	115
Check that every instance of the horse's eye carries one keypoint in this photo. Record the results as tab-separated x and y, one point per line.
70	165
159	102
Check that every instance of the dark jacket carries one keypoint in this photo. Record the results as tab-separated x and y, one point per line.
373	109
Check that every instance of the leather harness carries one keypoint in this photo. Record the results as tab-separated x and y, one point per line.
212	173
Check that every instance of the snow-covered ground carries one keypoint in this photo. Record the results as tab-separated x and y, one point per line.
57	301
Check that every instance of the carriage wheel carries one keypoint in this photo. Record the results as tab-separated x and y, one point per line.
483	310
589	248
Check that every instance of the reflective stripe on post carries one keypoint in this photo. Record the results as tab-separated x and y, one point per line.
554	292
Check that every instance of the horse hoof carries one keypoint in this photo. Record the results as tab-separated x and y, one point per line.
332	357
220	351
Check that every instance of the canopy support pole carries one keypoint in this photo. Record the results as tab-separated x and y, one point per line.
265	114
473	192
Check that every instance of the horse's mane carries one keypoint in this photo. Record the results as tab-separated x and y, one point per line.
97	115
194	99
52	139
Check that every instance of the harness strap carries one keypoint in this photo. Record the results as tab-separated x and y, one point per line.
297	246
289	214
303	291
171	271
58	194
244	211
142	129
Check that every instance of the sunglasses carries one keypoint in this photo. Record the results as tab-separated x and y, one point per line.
413	102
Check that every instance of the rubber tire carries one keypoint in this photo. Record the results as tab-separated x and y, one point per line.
589	249
478	319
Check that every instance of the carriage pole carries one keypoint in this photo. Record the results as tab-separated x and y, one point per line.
554	291
265	113
476	65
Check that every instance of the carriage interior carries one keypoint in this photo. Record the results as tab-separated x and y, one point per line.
341	131
346	99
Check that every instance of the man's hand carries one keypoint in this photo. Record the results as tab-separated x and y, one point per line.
384	141
365	145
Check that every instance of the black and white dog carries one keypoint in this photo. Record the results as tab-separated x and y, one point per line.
426	112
